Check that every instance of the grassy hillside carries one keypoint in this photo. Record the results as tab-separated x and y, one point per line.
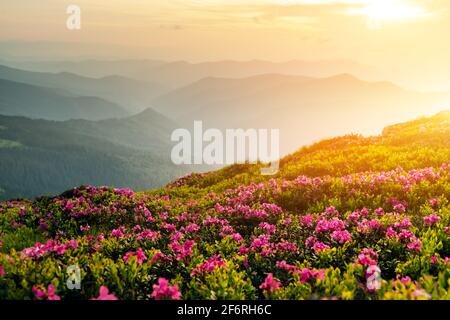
346	218
424	142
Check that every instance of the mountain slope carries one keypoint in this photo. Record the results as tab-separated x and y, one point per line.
18	99
148	130
420	143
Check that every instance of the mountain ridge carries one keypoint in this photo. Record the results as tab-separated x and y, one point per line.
36	102
132	94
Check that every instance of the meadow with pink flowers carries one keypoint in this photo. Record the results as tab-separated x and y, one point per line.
346	218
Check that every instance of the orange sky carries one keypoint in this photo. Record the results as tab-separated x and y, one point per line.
408	37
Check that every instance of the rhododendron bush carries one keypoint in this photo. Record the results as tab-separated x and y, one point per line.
379	234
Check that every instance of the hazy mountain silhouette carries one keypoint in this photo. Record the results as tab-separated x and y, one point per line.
181	73
91	68
19	99
132	94
304	109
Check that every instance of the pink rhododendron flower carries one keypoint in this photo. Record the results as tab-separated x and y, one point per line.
51	246
237	237
319	246
307	274
431	219
139	254
331	211
399	208
148	235
404	224
415	246
226	230
434	202
105	295
42	294
209	265
405	280
261	241
176	236
270	284
354	216
335	224
269	228
182	250
286	246
51	293
159	256
285	266
164	291
434	259
307	220
369	226
118	233
406	235
390	233
192	228
341	236
169	227
367	257
39	293
243	250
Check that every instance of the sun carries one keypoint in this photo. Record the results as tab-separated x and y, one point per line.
391	10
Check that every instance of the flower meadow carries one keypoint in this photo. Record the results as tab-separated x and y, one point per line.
372	234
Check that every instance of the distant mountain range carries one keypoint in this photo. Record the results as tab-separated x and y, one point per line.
133	95
304	109
181	73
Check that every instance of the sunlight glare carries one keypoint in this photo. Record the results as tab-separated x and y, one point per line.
391	10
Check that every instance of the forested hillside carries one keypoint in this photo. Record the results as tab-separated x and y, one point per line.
39	157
